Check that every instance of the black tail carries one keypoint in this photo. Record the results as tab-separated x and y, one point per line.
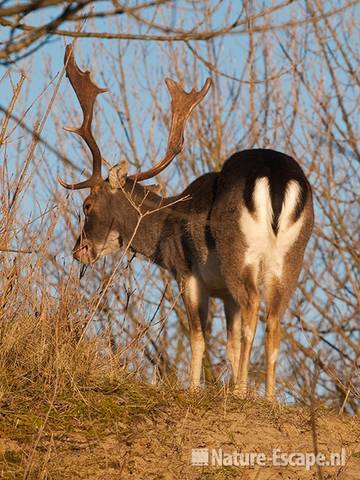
279	168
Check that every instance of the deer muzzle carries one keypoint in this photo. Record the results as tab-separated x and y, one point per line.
83	252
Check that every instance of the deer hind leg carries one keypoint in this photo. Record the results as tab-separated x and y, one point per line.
196	300
249	301
272	340
233	327
277	296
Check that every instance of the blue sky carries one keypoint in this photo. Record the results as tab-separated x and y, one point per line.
145	64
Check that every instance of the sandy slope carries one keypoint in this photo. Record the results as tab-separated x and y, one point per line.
145	433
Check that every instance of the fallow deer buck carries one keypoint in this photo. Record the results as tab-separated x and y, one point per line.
239	232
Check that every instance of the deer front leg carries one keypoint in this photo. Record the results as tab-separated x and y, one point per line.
233	327
196	300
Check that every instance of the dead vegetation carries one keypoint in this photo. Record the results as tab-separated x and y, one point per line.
92	363
120	428
69	410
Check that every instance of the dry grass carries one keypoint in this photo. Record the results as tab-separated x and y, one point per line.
70	410
120	428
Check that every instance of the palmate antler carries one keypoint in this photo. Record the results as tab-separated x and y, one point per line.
86	92
182	104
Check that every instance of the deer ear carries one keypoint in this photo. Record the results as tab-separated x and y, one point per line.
118	174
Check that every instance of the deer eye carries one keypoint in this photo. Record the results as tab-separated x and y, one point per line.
86	208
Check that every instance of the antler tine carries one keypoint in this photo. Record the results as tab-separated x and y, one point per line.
182	104
86	91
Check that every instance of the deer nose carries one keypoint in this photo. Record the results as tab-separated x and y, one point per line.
81	253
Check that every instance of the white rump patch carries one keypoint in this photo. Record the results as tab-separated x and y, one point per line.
263	246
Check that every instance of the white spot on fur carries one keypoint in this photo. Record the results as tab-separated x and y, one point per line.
263	245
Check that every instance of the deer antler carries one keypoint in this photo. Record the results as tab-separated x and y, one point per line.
86	92
182	104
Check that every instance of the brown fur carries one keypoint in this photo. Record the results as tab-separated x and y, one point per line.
198	238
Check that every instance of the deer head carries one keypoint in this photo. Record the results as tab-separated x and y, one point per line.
106	207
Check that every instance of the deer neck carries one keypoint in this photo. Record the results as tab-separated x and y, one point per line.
145	218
